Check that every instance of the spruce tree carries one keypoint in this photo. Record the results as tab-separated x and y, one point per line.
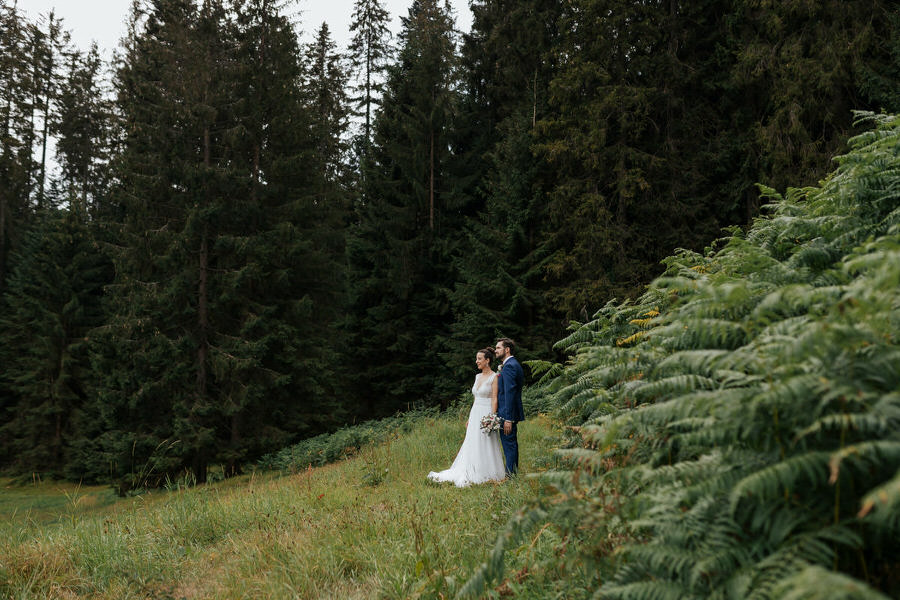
161	333
225	297
800	71
326	96
665	115
83	127
51	304
15	155
508	67
369	52
499	290
408	225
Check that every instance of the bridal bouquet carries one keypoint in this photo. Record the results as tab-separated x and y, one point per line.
490	422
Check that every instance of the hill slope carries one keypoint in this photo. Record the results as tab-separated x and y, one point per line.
365	527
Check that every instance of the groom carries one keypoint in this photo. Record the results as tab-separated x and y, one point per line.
509	401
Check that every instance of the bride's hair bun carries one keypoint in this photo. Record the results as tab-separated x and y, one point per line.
488	353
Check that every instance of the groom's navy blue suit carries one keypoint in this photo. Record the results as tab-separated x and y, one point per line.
509	408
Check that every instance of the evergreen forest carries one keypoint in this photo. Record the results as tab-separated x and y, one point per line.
224	240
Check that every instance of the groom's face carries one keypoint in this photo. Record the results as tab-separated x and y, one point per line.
501	351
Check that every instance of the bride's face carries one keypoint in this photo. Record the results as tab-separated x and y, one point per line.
481	362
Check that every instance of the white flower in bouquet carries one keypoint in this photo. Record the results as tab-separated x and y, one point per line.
491	422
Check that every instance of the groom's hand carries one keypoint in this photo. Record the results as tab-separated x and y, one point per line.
507	427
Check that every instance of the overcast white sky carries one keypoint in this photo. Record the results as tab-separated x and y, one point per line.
104	20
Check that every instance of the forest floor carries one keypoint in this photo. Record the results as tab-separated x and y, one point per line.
370	526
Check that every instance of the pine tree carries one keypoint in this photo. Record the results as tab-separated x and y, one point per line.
409	224
508	66
82	127
52	302
326	84
800	72
369	52
15	156
49	47
665	115
224	287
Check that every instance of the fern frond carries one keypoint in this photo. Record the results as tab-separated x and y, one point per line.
725	551
580	456
880	454
694	334
587	401
631	339
885	501
582	335
796	299
782	478
795	555
866	424
544	369
791	391
817	583
491	571
815	255
644	323
672	386
870	261
645	590
563	482
700	362
662	560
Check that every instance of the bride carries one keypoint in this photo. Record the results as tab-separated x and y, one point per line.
479	458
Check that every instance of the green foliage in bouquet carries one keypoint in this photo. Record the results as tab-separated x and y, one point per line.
737	429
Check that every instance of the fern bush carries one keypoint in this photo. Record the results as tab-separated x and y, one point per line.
737	429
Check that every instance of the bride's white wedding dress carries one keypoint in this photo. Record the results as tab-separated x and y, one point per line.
480	457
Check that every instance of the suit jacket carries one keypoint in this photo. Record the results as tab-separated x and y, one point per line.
509	391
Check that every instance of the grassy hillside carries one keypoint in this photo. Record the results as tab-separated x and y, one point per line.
369	526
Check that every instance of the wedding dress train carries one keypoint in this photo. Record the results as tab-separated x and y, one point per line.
480	457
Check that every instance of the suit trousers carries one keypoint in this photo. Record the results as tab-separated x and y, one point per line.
510	445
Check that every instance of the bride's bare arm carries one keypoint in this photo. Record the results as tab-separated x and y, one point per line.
494	404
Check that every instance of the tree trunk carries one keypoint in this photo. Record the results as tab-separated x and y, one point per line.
199	466
3	217
84	187
234	468
43	176
4	196
431	186
253	191
48	93
368	96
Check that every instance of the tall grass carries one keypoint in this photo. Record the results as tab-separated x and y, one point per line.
370	526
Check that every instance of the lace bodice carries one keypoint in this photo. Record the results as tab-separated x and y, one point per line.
483	391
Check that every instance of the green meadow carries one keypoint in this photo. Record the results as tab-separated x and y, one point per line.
367	526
